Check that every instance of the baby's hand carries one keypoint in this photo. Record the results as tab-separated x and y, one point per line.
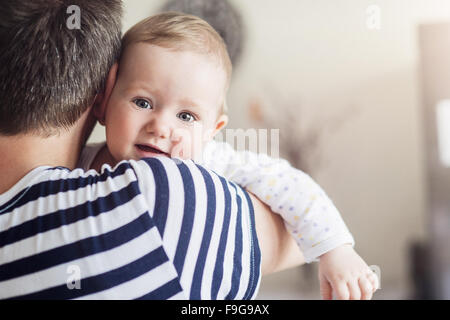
179	147
345	273
184	145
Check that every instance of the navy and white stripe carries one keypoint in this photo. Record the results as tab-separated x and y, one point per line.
151	229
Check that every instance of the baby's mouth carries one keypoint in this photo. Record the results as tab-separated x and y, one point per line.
147	148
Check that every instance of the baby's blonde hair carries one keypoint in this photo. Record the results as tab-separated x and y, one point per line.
182	32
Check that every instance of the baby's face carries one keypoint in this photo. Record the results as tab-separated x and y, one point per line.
163	103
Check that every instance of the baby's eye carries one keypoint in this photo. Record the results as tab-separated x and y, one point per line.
186	116
142	103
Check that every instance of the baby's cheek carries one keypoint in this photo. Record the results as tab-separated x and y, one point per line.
199	143
197	154
119	146
185	149
116	149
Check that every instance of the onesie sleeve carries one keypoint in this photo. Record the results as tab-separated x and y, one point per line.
309	215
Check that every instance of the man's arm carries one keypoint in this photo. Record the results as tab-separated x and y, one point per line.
278	249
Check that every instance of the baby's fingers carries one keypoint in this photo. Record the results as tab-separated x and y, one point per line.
325	289
353	288
373	278
341	290
366	288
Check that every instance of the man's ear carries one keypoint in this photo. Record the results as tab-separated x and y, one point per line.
102	98
221	123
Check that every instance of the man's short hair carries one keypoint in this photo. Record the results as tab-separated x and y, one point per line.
50	71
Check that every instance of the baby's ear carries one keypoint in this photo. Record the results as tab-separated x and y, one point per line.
221	123
102	98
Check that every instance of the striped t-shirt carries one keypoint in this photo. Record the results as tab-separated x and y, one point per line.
151	229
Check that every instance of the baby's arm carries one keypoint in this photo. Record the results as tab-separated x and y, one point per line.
308	213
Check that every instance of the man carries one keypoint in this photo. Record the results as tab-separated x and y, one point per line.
152	229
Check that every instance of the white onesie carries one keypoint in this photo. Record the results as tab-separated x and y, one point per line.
308	213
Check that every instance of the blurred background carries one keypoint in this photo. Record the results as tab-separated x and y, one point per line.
350	84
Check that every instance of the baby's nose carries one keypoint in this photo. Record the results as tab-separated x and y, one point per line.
159	128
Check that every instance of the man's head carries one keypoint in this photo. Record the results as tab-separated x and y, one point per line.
50	73
173	76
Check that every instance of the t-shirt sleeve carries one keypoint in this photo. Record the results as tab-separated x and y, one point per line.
207	227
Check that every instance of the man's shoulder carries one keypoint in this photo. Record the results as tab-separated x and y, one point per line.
174	168
47	183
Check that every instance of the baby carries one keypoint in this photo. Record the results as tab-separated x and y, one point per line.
169	100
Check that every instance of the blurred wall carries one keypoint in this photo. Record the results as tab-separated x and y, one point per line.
322	55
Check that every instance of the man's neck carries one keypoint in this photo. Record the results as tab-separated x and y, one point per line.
22	153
